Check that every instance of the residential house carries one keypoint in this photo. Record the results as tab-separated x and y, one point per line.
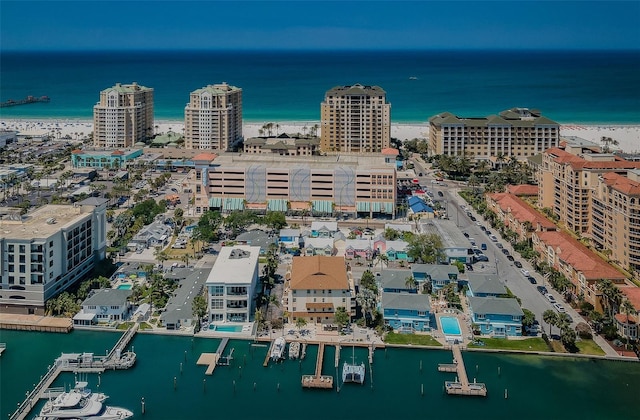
318	246
258	238
396	281
290	238
406	312
154	234
104	305
498	317
358	249
485	285
322	229
437	274
397	251
318	285
231	284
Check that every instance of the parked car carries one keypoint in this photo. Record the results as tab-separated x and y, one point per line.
543	290
440	194
510	258
517	264
483	247
559	308
466	235
524	272
473	219
493	238
469	267
532	280
550	298
505	251
482	257
499	245
484	229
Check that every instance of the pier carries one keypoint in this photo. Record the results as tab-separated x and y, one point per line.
35	323
268	356
461	385
28	100
216	359
78	363
318	380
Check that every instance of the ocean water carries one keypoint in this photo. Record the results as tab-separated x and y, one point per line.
537	387
567	86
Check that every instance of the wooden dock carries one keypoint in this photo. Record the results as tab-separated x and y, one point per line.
211	360
35	323
268	356
318	380
80	363
337	355
461	385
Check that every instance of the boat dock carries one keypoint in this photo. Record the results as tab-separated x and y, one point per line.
28	100
337	355
35	323
461	385
78	363
318	380
215	359
268	356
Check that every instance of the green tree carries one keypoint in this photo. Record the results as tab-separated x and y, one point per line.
300	323
550	317
425	248
410	283
275	220
367	301
528	318
368	281
199	307
341	316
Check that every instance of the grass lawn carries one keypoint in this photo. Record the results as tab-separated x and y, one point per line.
127	325
418	339
527	344
589	347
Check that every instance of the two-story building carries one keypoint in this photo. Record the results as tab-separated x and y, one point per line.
397	281
498	317
323	229
406	312
319	246
438	275
290	238
231	284
103	306
318	286
485	285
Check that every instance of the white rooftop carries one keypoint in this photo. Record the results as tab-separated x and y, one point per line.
234	265
42	222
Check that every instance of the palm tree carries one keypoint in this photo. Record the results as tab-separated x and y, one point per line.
383	259
627	308
161	256
300	323
550	317
411	283
185	259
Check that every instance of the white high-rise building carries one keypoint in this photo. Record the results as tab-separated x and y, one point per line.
123	116
213	117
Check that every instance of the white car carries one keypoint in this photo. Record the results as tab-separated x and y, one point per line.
524	272
550	298
559	308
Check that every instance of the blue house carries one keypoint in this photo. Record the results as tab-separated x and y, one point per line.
290	238
485	285
406	312
417	205
439	275
395	281
497	317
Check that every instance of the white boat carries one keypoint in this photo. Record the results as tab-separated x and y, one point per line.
294	350
352	372
278	349
81	404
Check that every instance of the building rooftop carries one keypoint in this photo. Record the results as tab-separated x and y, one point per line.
409	301
356	90
579	256
42	222
132	88
495	305
486	284
450	234
361	161
394	279
107	297
523	189
319	273
621	183
521	210
217	89
631	292
596	161
322	225
318	242
517	117
235	265
436	271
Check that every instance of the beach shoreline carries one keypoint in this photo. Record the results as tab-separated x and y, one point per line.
627	135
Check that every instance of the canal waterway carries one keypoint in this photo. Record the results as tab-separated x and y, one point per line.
537	387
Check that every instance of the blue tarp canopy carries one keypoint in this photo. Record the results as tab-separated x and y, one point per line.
417	205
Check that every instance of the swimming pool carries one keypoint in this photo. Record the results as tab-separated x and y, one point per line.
124	287
450	325
226	328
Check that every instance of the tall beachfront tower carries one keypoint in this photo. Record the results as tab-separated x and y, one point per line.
518	132
123	117
213	117
355	119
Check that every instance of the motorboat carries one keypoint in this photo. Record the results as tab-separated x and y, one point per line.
294	350
81	404
278	349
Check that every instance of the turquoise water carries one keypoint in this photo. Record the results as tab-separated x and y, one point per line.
450	325
567	86
124	287
538	387
226	328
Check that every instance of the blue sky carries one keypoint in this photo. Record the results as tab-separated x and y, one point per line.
100	25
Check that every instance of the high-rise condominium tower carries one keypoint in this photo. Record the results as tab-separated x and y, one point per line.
213	117
355	119
123	117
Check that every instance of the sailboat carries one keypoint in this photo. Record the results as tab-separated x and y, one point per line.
352	372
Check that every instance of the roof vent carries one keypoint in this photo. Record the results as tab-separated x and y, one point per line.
51	220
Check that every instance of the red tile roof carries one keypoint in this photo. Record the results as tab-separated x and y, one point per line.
523	189
117	153
205	157
520	210
77	152
318	273
580	257
622	318
390	151
621	183
632	293
577	162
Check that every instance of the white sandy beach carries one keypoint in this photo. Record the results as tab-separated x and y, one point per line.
627	136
